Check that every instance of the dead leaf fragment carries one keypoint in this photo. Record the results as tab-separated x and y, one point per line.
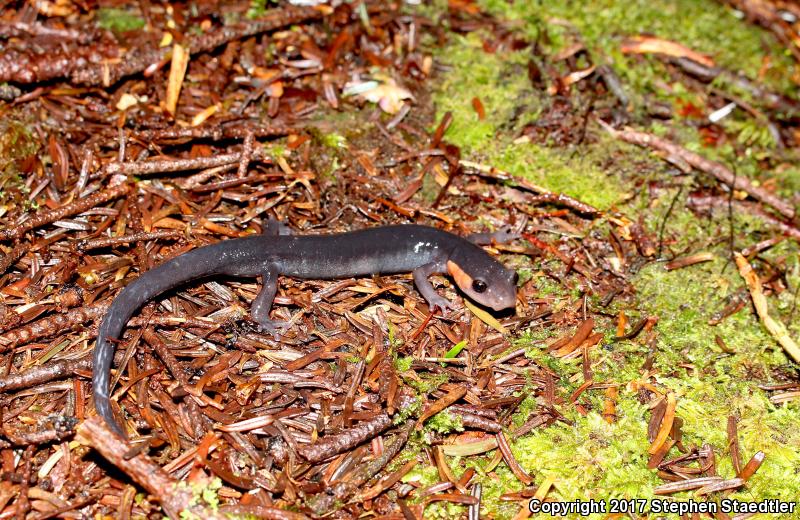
666	424
126	101
776	328
381	90
485	317
651	45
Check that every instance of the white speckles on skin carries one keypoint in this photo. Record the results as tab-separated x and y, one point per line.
419	245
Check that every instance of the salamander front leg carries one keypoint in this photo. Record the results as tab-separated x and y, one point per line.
425	288
261	306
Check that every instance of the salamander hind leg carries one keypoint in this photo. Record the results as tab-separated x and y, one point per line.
504	235
261	306
274	227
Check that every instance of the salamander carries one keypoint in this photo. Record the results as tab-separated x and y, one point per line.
418	249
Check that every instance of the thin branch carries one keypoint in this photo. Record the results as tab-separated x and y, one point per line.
719	171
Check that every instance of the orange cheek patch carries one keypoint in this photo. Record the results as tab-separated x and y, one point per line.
462	279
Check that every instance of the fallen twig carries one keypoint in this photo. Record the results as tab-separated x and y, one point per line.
50	325
767	15
239	130
336	444
175	165
342	491
175	500
44	373
775	328
96	243
719	171
545	195
758	92
107	74
49	216
707	202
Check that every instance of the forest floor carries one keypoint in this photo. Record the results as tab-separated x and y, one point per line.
645	152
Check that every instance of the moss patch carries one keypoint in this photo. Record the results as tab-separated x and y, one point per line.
592	459
16	145
501	84
713	385
118	20
706	27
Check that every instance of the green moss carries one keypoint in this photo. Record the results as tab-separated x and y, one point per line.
407	412
577	176
118	20
423	474
403	363
684	300
426	383
547	287
718	385
564	453
257	8
325	131
568	454
276	149
16	144
706	27
499	81
204	494
445	422
592	458
445	511
334	140
501	84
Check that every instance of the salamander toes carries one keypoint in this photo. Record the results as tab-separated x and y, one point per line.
441	303
274	328
507	234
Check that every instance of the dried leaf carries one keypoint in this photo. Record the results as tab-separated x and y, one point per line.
651	45
485	317
382	90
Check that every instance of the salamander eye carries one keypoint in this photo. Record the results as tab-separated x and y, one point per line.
479	286
515	279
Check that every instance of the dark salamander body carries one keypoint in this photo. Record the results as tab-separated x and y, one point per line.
421	250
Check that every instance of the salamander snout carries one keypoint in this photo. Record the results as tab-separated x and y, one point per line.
503	295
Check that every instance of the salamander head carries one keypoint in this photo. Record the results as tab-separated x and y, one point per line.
482	278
